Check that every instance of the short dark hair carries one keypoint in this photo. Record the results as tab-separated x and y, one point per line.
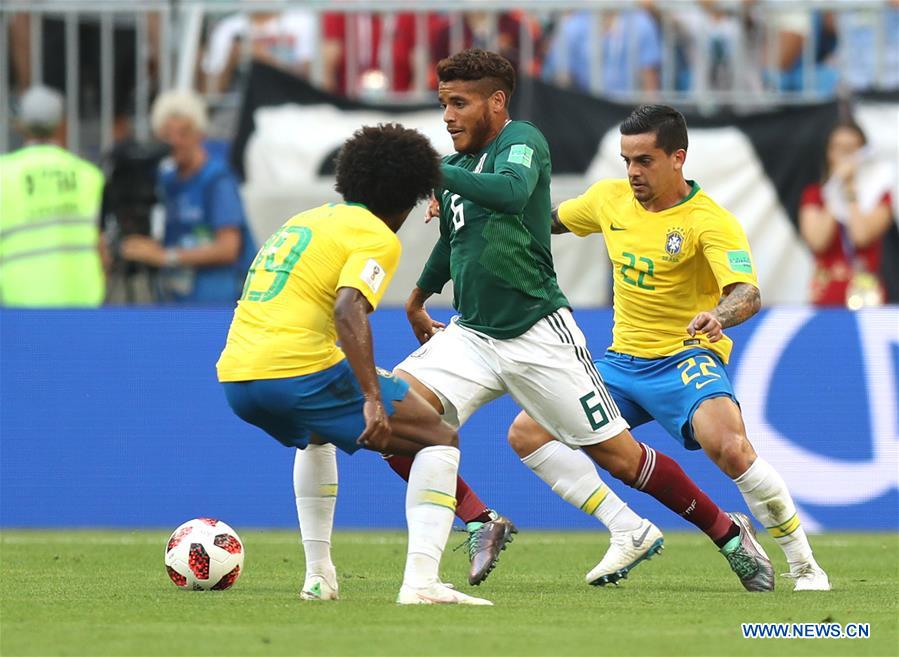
476	64
667	123
387	168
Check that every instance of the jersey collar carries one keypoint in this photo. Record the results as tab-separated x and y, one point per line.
490	143
694	189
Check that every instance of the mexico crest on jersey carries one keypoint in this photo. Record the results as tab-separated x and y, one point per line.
674	242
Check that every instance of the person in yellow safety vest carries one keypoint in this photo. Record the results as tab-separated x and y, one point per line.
50	247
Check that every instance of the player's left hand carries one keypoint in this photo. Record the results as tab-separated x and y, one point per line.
707	324
140	248
423	326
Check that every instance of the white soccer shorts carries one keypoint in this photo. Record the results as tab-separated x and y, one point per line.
547	370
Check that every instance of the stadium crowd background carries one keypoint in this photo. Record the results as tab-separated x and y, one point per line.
761	82
713	58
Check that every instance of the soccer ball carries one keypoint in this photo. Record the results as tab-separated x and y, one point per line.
204	554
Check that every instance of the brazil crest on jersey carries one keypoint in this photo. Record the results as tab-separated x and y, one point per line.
284	322
495	221
668	266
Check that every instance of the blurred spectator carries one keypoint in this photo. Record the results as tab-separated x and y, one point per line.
631	44
843	220
50	250
206	248
859	33
368	53
287	40
53	58
793	28
714	47
477	29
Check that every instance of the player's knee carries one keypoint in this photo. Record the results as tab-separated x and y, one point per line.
525	435
734	454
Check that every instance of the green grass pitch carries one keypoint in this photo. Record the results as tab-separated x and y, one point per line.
106	593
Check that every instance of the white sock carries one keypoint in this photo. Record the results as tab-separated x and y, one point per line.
430	509
315	488
769	500
573	477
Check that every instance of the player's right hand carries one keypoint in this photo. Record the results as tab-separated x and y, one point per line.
376	435
422	325
433	209
707	324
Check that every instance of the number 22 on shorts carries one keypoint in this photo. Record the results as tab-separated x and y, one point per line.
704	363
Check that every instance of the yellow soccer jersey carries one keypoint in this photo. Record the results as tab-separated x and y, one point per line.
667	266
284	322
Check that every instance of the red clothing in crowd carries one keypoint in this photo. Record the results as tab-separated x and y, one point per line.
509	25
362	33
833	266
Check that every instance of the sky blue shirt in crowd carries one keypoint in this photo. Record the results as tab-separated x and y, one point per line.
617	48
859	33
195	208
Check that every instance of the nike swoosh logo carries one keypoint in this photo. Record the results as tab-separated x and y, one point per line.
638	543
614	227
704	383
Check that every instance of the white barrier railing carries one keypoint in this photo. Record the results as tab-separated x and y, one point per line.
168	38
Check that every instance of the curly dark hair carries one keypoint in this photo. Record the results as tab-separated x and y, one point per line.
476	64
387	167
668	124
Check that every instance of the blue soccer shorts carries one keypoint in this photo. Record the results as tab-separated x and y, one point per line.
668	390
328	404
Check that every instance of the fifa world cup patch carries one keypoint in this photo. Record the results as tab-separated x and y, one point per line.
739	262
521	154
373	275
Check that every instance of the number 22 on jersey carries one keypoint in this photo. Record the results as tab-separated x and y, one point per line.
631	266
301	236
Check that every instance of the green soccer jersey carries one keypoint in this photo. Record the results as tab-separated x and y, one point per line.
495	219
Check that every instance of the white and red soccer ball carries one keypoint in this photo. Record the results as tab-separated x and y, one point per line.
204	554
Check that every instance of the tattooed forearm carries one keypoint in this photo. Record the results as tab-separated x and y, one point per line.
742	302
558	226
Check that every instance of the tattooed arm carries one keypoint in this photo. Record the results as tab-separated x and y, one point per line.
558	227
740	302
